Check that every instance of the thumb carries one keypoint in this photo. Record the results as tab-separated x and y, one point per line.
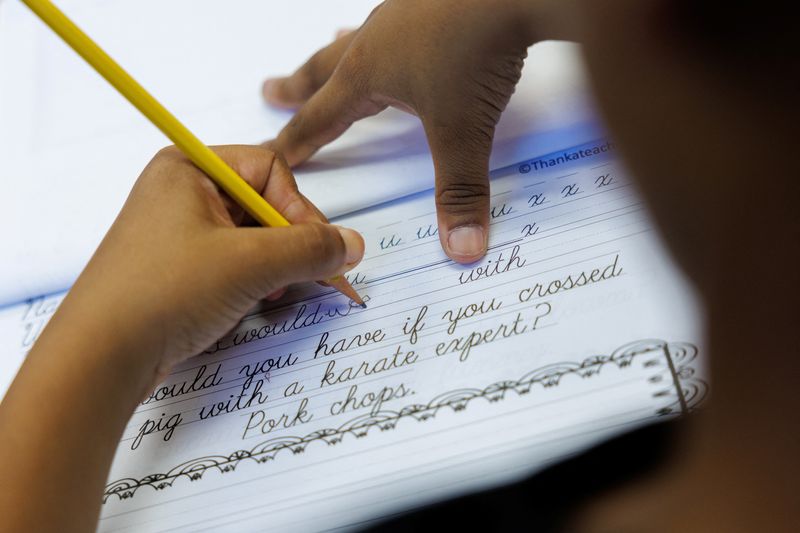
460	153
262	260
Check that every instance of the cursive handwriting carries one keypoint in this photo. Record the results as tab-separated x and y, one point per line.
396	360
390	242
342	345
355	278
453	316
266	366
464	345
199	382
501	211
374	400
537	199
305	317
572	281
259	420
499	265
151	426
412	329
424	232
245	399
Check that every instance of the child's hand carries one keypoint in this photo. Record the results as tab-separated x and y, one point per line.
175	271
453	63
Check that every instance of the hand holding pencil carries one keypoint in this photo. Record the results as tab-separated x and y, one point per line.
181	268
198	153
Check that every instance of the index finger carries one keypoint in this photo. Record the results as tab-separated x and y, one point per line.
325	117
269	174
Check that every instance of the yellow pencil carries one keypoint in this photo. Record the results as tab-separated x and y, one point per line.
200	154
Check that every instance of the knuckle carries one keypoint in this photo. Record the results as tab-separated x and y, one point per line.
168	165
169	153
498	80
477	129
254	164
267	151
354	67
463	196
309	78
484	115
351	61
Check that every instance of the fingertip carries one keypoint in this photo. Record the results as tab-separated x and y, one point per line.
268	89
281	152
466	244
271	91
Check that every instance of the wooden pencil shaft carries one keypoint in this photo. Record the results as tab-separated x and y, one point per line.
200	154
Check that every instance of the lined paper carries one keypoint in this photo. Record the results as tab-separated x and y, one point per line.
316	414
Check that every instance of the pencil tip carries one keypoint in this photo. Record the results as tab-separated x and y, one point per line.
340	283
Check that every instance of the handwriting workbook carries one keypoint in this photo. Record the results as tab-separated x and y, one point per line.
316	414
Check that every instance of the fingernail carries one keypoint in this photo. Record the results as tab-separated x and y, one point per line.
466	242
276	295
354	245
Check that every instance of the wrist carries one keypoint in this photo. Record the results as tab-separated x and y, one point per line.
94	337
67	409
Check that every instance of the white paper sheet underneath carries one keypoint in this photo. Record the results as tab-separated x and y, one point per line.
70	147
574	327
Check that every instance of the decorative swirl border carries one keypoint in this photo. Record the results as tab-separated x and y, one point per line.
689	390
689	393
